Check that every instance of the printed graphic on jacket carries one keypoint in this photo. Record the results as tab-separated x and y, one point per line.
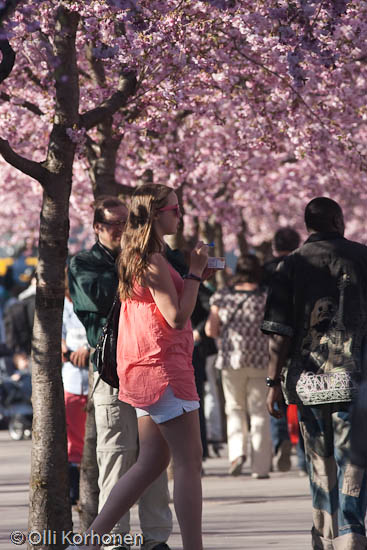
327	350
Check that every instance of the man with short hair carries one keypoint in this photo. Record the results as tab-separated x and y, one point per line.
316	316
93	284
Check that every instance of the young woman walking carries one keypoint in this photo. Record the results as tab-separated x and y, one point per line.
154	354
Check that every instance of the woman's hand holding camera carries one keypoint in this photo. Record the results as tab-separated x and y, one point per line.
199	258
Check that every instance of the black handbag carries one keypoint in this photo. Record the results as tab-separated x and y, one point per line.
104	357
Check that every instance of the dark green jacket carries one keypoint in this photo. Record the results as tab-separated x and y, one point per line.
93	284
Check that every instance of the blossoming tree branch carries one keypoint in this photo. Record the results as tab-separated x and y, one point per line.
248	109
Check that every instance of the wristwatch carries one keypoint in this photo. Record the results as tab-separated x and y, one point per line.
193	277
271	382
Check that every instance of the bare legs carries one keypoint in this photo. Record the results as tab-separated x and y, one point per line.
181	437
153	459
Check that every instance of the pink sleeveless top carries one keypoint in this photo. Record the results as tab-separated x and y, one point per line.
150	353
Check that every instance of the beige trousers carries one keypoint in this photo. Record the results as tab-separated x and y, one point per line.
117	449
245	396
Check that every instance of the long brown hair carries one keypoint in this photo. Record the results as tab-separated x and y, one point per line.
139	240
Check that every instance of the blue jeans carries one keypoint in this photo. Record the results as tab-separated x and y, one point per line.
338	488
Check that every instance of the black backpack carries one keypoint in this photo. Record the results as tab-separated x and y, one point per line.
104	357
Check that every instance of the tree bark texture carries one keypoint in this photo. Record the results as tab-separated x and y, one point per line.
241	238
7	61
49	484
7	7
220	276
102	161
211	231
178	241
102	153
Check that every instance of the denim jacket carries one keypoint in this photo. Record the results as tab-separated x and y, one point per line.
319	298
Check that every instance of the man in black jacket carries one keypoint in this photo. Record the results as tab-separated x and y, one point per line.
93	284
316	316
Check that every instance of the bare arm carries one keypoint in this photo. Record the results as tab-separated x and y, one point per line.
278	353
175	310
212	326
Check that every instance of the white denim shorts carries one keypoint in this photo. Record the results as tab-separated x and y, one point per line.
167	407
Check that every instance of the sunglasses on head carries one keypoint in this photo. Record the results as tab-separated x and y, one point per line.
175	208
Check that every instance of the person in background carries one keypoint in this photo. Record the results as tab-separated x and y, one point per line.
286	239
214	405
316	319
203	346
18	321
6	286
75	357
93	284
235	318
213	391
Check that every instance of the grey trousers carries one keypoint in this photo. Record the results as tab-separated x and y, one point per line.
117	449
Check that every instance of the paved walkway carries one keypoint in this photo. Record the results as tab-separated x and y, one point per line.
239	513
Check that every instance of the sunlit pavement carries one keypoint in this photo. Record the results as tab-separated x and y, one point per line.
239	512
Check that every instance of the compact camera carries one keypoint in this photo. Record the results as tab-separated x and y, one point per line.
216	263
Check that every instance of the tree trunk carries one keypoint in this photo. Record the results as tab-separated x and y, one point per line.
178	241
220	276
50	510
102	160
241	238
211	231
49	484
